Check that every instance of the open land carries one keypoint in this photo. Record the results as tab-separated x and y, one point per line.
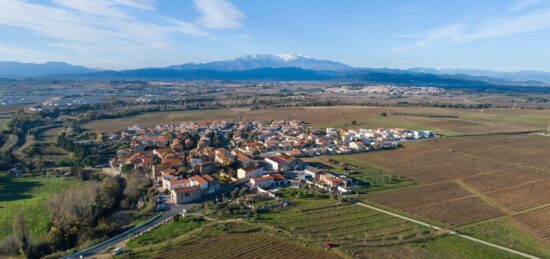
29	195
456	122
471	182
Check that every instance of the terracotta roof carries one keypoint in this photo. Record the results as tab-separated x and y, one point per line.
263	178
278	177
277	159
208	178
198	179
334	180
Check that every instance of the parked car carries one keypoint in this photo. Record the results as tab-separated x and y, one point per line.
162	207
118	251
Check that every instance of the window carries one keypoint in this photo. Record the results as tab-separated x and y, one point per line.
186	194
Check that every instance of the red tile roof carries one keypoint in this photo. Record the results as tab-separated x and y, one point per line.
263	178
198	179
208	178
180	181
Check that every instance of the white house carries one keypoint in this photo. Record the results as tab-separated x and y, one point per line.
262	182
248	172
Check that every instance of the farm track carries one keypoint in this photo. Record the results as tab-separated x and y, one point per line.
448	231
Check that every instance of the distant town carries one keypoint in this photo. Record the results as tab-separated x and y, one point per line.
193	159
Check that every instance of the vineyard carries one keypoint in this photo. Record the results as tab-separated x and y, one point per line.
354	227
469	179
537	221
254	245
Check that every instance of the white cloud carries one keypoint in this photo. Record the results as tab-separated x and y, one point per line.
246	36
519	5
486	28
139	4
96	29
219	14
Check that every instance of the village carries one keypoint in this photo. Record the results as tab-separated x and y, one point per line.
192	160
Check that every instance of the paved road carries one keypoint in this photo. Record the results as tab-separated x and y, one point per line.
449	231
126	235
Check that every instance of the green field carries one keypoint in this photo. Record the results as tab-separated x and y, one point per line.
167	231
29	195
502	231
368	177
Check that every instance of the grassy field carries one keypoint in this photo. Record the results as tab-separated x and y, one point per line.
29	195
469	121
368	177
167	231
504	231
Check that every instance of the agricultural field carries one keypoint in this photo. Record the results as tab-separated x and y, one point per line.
29	195
365	233
368	178
299	232
155	118
450	121
507	232
356	228
253	245
464	180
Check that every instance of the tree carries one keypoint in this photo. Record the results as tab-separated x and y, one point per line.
20	234
353	122
384	114
126	168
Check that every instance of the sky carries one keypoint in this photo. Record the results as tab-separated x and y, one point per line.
504	35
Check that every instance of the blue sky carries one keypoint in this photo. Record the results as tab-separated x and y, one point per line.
119	34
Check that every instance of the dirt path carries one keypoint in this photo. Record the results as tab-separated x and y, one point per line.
448	231
10	143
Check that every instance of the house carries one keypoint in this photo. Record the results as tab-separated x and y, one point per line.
242	159
262	182
205	168
283	162
223	157
214	184
279	180
248	172
357	145
201	182
333	182
186	194
171	183
314	173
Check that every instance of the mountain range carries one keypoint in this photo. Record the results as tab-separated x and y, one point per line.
17	69
289	67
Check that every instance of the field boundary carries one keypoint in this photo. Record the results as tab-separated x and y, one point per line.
448	231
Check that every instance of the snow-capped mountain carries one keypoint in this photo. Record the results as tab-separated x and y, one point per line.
266	61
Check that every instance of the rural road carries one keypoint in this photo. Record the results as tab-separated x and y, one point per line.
97	249
448	231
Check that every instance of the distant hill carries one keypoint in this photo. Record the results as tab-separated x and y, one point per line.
250	62
292	67
283	74
513	76
9	68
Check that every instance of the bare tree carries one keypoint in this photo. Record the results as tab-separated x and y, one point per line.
20	234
